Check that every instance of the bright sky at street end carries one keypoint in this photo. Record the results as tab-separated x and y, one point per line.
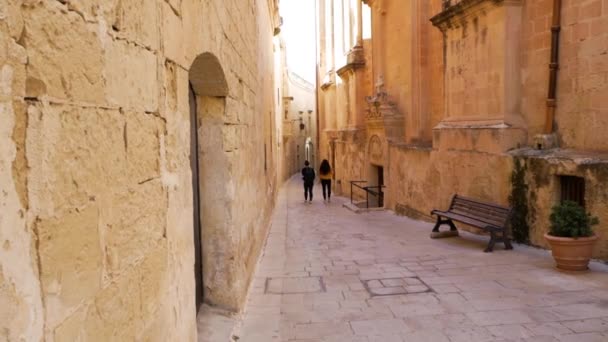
298	31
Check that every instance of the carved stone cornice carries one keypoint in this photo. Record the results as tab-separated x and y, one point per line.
328	80
326	85
356	56
352	135
375	4
354	60
458	10
332	134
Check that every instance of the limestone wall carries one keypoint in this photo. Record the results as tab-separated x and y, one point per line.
97	214
422	179
542	176
471	84
582	112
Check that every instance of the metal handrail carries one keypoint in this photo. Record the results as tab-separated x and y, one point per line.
379	187
355	184
368	190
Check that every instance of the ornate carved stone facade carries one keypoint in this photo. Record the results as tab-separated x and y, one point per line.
466	84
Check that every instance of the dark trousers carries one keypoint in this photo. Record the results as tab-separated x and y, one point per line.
308	190
326	183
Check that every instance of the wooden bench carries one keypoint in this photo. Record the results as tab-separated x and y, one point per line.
490	217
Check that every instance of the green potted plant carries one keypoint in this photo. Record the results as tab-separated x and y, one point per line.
571	236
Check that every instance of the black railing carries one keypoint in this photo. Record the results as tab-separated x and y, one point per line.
374	190
356	184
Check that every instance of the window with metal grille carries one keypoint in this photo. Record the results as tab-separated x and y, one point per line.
572	189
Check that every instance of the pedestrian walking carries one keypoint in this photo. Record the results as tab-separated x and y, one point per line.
308	176
325	175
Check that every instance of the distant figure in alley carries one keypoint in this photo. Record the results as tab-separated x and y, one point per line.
325	176
308	175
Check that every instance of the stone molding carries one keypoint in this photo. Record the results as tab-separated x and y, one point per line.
465	9
328	80
354	60
352	135
377	5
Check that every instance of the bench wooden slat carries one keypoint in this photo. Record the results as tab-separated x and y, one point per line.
487	220
470	221
461	203
490	217
480	203
498	211
481	211
480	215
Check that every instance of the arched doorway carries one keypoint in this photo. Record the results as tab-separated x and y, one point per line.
309	151
207	96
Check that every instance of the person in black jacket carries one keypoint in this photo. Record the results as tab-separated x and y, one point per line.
308	175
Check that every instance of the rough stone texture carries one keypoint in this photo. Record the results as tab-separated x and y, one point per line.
470	86
543	168
96	231
22	313
581	92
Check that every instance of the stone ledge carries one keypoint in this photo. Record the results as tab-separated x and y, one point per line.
354	207
496	139
578	157
354	60
466	8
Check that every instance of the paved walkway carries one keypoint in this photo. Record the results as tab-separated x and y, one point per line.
331	275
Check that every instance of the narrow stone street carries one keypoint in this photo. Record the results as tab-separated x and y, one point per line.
328	274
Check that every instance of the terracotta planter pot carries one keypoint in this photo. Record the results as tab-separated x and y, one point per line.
571	254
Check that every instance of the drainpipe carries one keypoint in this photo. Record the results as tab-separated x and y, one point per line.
553	66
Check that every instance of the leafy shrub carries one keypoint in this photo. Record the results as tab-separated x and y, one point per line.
518	200
569	219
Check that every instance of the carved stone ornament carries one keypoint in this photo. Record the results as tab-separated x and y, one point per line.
379	102
376	152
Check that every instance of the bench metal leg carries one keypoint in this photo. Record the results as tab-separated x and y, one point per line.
507	242
441	222
452	225
490	247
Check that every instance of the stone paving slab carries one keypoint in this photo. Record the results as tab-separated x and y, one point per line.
324	267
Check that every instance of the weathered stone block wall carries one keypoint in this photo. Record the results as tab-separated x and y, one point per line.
475	71
392	50
432	60
542	172
579	83
494	66
422	179
350	162
582	112
96	227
